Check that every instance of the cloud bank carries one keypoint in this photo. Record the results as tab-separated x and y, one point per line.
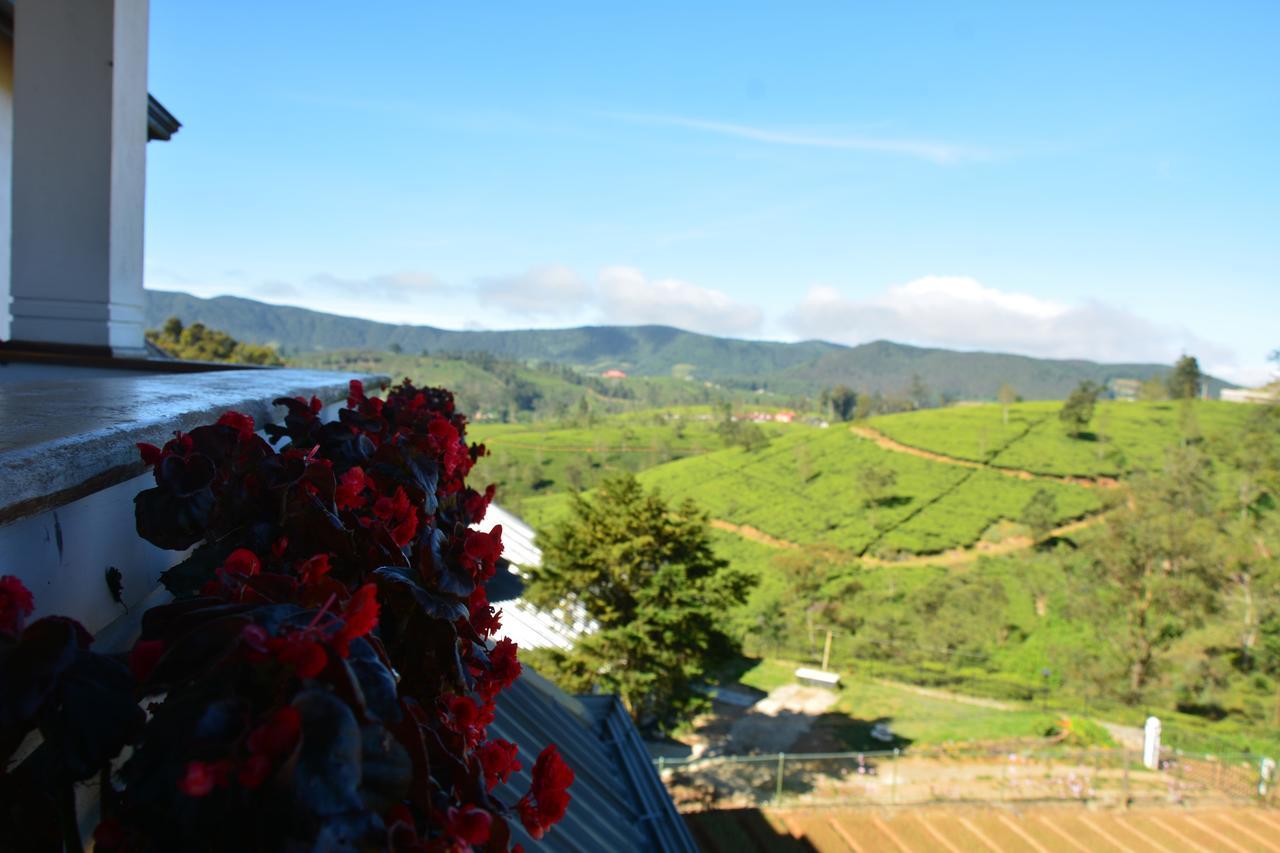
546	293
962	313
619	296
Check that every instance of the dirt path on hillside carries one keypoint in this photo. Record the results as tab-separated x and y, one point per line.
746	531
953	557
894	446
933	693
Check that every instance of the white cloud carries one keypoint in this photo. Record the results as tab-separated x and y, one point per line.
628	297
934	152
961	313
546	293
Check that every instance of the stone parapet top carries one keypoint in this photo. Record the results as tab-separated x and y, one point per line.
61	439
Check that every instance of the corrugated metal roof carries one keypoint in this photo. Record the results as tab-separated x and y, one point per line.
517	537
618	804
527	626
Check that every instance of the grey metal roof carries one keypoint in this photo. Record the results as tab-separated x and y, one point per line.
619	803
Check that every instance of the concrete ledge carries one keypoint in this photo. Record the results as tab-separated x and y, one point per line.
62	439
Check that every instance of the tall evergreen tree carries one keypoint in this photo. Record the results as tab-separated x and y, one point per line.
1184	382
646	573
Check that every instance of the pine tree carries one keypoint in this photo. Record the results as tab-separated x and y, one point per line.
1184	382
646	573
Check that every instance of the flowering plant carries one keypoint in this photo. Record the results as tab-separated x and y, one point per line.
326	674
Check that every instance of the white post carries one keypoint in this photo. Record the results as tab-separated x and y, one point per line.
1151	744
79	169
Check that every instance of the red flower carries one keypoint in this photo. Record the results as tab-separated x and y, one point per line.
143	658
359	617
404	532
399	514
391	508
482	551
298	650
151	454
504	668
548	795
478	504
16	604
499	760
278	735
242	562
484	618
314	568
199	779
469	825
350	489
242	424
463	716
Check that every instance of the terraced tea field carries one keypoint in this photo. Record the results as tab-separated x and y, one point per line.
1123	437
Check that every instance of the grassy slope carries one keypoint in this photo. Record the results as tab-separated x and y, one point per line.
1125	437
803	488
923	720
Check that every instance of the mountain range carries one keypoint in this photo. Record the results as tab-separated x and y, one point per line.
800	367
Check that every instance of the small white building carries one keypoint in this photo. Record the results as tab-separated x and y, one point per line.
1267	394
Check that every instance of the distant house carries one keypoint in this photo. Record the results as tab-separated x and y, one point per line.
1268	394
614	374
1124	389
786	416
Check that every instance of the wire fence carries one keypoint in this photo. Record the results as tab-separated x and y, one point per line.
972	774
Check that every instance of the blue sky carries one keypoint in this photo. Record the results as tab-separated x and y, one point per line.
1097	180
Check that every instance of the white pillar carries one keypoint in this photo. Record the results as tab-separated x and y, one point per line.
79	170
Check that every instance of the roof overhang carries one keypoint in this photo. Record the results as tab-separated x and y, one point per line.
161	123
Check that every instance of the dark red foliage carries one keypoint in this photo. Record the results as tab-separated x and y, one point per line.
333	597
322	565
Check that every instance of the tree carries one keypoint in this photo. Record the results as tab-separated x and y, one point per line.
1007	397
1040	513
744	434
1155	570
1077	411
918	393
394	348
647	575
841	401
1184	382
197	342
875	482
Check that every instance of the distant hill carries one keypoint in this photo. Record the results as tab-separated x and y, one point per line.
800	367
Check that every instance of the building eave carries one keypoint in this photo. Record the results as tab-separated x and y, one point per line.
161	124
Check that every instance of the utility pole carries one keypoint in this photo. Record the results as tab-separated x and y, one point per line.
826	652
